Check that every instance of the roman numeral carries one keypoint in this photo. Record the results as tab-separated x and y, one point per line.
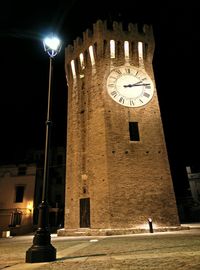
111	85
118	71
146	95
128	70
121	100
114	93
131	103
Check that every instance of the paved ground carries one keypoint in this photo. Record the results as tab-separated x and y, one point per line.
152	251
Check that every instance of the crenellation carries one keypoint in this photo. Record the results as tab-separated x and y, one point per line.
148	29
87	36
134	34
100	38
132	28
69	50
117	27
78	42
99	27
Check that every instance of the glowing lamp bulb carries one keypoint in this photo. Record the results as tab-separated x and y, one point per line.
52	42
52	45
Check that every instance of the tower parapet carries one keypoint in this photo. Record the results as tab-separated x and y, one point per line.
139	44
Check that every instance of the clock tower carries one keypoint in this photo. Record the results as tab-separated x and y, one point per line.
118	174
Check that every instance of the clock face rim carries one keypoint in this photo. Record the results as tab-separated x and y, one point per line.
122	81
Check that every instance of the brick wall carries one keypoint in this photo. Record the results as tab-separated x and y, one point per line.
127	182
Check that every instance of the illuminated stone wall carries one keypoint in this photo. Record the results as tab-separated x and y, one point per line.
127	182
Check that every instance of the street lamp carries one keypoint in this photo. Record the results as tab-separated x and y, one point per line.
42	249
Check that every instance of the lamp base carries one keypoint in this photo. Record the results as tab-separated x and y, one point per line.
36	254
41	250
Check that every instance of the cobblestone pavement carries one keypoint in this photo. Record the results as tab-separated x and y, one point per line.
157	251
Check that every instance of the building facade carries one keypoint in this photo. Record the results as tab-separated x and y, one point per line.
17	187
118	173
194	183
21	192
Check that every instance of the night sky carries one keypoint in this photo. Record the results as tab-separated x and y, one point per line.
24	72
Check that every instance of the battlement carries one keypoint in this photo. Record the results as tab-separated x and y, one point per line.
125	44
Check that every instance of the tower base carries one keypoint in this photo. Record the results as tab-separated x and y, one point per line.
122	231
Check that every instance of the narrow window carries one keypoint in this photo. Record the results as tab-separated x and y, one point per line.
73	69
91	52
19	194
82	60
140	53
134	131
112	49
126	49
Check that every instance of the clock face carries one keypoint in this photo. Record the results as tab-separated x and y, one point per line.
130	86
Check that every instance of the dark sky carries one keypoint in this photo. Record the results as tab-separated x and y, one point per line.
24	71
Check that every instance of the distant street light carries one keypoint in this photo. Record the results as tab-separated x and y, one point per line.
42	249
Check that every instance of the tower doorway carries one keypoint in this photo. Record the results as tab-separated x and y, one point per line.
85	213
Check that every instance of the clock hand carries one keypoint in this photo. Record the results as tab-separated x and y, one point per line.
128	85
136	84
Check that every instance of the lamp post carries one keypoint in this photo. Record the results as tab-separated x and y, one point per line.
42	249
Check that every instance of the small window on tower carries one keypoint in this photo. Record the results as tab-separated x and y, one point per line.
91	52
140	50
82	60
126	49
134	131
73	69
112	49
140	53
